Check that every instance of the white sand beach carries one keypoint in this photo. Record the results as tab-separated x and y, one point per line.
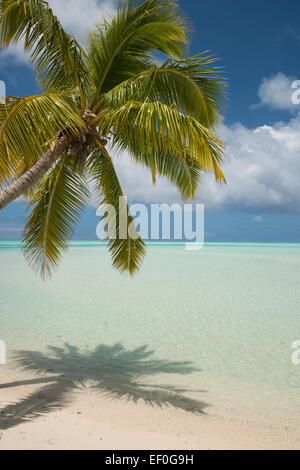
91	421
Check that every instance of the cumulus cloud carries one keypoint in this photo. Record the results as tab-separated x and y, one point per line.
277	92
262	168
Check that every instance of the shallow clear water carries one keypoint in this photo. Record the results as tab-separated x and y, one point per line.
232	310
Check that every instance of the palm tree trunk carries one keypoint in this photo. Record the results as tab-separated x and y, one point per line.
37	171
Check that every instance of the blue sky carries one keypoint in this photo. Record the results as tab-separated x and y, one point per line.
259	44
254	39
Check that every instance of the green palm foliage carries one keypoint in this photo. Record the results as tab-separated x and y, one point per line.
56	207
110	95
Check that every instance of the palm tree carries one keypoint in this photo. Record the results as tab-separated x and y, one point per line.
109	95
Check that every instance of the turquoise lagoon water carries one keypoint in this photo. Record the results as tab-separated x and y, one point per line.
232	310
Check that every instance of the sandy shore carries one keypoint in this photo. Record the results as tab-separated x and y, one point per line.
30	418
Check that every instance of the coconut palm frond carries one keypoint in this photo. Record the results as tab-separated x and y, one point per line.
54	210
127	253
157	128
195	85
56	56
123	47
43	117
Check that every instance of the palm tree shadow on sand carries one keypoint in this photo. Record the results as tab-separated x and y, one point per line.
111	370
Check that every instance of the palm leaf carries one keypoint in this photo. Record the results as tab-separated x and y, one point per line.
55	208
122	48
28	127
127	254
56	56
194	84
155	128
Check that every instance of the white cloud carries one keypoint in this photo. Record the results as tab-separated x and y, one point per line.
262	168
258	219
14	54
79	17
276	92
